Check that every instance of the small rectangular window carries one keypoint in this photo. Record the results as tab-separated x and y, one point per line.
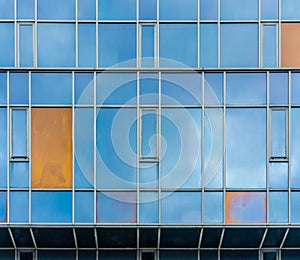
279	134
269	45
26	45
148	51
148	255
25	255
270	255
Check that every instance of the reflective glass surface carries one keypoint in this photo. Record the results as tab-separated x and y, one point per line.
278	175
213	207
86	9
56	44
3	88
209	45
19	205
178	9
148	175
3	206
18	88
269	9
148	207
84	207
149	134
25	9
278	88
84	88
19	133
56	9
7	43
148	45
278	214
213	88
295	88
148	89
239	44
87	45
209	9
295	210
117	10
239	10
185	49
295	148
246	148
289	9
3	147
279	133
117	44
19	174
147	9
269	45
7	9
26	46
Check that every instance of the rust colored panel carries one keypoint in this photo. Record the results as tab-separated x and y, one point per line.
290	44
51	147
245	207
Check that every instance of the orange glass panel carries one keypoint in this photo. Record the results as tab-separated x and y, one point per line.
51	147
245	207
290	44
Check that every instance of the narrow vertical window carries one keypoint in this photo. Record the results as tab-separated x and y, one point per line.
269	48
149	134
147	45
25	255
26	50
19	134
279	134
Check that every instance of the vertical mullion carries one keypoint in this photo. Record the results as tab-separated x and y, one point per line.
219	34
159	147
29	147
73	148
95	148
268	130
260	45
198	34
224	147
289	147
279	33
138	137
35	44
76	33
202	146
97	37
16	33
8	122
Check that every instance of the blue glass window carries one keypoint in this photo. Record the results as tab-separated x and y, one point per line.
185	49
52	88
181	163
116	150
3	206
279	122
116	207
176	207
7	9
239	10
246	88
239	44
148	89
246	148
278	88
149	134
147	9
87	45
19	133
86	9
19	174
3	88
117	10
295	82
3	147
116	88
148	45
56	9
18	88
51	207
148	207
209	9
278	214
84	147
148	175
84	207
278	175
269	45
56	44
84	88
269	9
208	45
25	9
213	207
289	9
117	44
19	206
178	9
295	148
295	209
26	45
7	43
213	88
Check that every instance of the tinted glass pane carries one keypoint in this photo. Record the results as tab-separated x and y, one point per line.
208	45
178	9
116	153
269	9
18	90
295	210
290	254
181	163
269	45
3	88
208	255
295	82
209	9
290	9
56	44
148	175
149	131
185	49
239	44
147	9
148	89
26	46
6	9
86	255
278	207
278	88
279	133
213	88
148	207
57	255
51	88
246	88
239	10
56	9
19	133
25	9
19	174
51	207
3	147
246	127
86	9
19	206
7	255
87	45
84	147
213	207
295	148
278	175
116	207
236	255
245	207
124	255
181	207
7	42
117	10
117	44
84	207
177	255
3	206
84	88
148	45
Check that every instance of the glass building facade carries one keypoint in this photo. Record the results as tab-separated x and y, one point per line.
149	129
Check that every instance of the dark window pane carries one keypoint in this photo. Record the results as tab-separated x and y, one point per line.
56	255
237	255
26	255
7	255
148	256
124	255
178	255
86	255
